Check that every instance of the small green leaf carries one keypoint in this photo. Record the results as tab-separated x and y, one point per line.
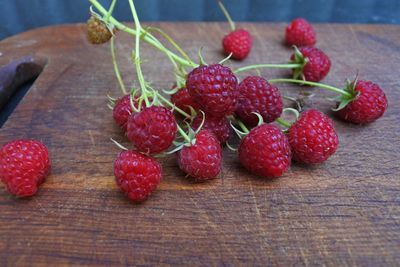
343	103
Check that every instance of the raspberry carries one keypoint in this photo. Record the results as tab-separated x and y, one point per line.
312	137
214	88
368	105
121	111
317	66
97	31
24	165
238	43
152	130
183	100
202	160
136	174
257	95
300	33
220	127
265	151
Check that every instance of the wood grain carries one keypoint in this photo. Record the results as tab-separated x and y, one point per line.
342	213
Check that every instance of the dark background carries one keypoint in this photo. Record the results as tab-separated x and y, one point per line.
20	15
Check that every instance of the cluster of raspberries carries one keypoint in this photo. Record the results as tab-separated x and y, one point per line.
221	101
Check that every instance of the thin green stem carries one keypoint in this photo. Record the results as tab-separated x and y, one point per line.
166	101
147	37
116	68
228	17
110	10
241	124
283	122
172	41
321	85
277	66
139	73
184	135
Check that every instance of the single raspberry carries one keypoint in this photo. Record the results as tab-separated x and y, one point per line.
257	95
265	151
316	64
238	43
152	130
300	33
97	31
24	165
136	174
183	100
220	127
214	88
312	137
369	104
201	160
121	111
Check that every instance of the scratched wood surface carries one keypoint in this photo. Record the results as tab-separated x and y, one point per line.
345	212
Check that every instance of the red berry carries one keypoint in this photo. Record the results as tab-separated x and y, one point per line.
122	110
97	31
136	174
202	160
220	127
24	165
183	100
265	151
152	130
214	88
312	137
318	64
300	33
238	43
257	95
368	106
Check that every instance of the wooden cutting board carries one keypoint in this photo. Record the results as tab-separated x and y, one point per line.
345	212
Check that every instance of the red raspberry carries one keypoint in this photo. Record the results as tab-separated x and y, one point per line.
97	31
152	130
136	174
202	160
316	68
368	106
312	137
214	88
257	95
183	100
300	33
265	151
24	165
220	127
238	43
121	111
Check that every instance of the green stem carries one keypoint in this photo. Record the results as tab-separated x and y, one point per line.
241	124
137	54
321	85
283	122
277	66
226	13
116	69
184	135
110	10
147	37
166	101
172	41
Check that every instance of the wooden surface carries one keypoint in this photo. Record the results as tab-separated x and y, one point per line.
345	212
